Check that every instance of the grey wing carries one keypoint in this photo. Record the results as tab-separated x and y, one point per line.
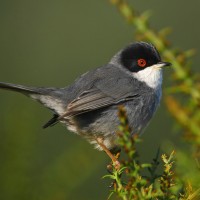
100	96
92	100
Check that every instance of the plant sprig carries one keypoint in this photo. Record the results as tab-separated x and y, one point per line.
129	181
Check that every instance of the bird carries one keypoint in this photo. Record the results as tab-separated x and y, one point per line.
89	106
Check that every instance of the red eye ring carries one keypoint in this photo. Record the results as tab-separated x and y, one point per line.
141	62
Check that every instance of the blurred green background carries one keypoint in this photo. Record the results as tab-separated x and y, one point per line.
50	43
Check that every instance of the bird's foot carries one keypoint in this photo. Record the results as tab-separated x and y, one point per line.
114	158
116	164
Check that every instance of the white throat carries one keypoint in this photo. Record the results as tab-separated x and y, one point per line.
152	76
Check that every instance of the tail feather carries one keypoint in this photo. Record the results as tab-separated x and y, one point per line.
53	121
19	88
49	97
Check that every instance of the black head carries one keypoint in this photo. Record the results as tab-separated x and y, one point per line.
139	56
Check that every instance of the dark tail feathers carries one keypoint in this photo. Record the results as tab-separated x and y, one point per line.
22	89
53	121
49	97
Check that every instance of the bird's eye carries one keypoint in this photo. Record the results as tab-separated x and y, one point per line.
141	62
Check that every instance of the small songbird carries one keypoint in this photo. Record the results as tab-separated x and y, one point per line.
89	106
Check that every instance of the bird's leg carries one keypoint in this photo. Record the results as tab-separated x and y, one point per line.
116	153
107	151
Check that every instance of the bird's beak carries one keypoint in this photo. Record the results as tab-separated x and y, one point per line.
161	64
164	64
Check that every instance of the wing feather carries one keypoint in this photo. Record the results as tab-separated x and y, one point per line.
92	100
